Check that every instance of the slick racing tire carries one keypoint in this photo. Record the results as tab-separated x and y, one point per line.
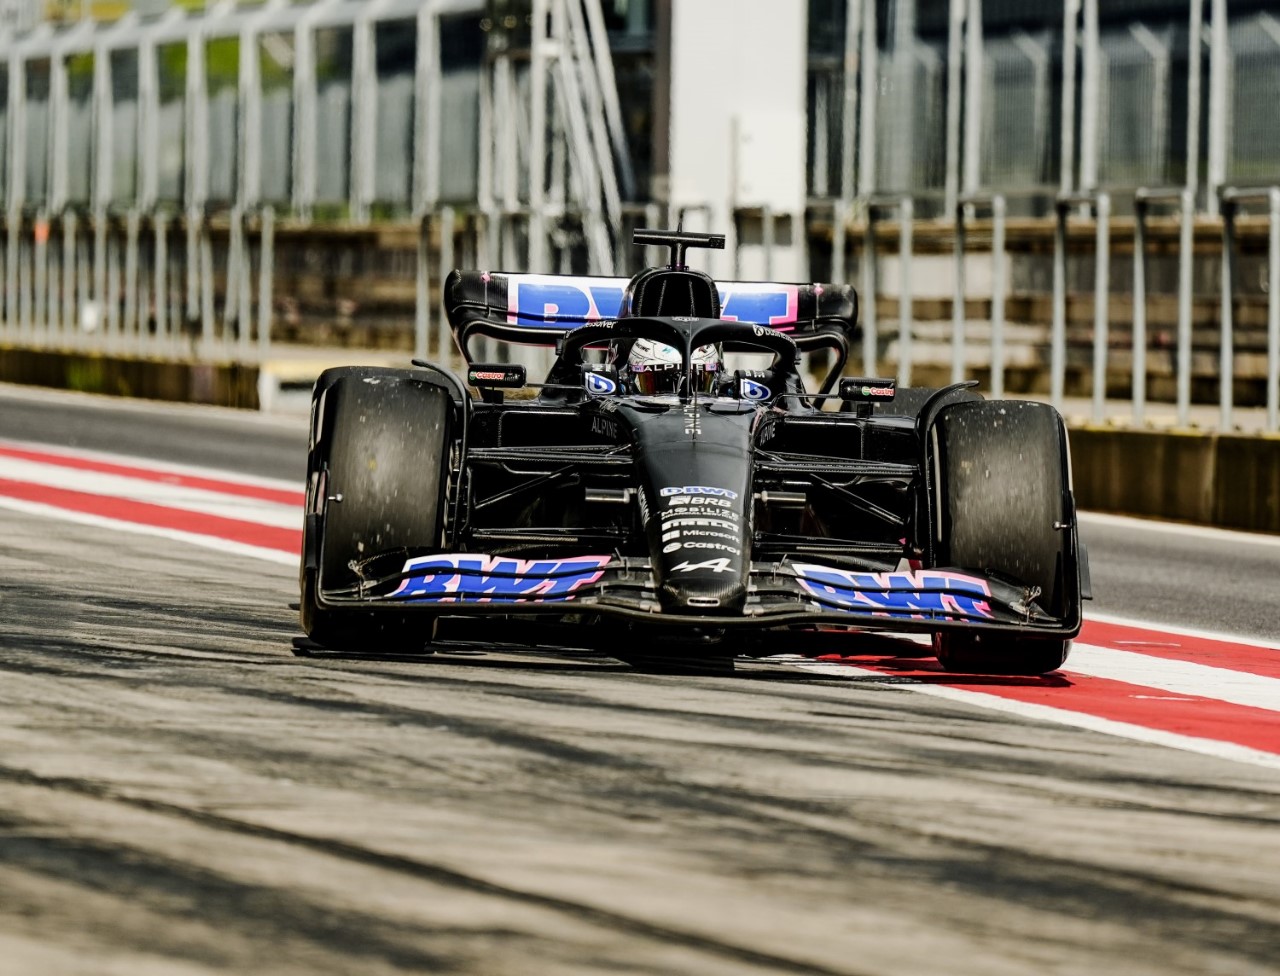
1002	499
997	654
377	474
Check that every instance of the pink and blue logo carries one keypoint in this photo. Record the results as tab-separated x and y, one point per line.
478	578
563	302
920	595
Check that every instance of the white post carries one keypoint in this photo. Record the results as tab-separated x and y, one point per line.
542	49
973	69
1101	303
1090	93
848	123
1219	84
955	29
867	102
1070	15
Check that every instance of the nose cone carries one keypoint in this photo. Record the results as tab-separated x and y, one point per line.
716	585
698	518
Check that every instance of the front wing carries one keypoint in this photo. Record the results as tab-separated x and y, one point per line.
789	592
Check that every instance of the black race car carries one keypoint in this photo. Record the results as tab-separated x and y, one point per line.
648	500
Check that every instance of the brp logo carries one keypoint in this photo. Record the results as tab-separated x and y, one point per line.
599	385
751	390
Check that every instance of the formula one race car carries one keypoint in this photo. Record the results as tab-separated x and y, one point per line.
650	501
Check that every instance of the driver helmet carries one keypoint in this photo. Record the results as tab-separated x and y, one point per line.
655	368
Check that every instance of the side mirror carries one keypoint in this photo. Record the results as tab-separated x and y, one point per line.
496	376
861	389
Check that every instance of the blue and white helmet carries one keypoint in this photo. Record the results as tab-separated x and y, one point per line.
655	367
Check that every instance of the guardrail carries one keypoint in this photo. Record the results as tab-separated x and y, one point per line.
125	282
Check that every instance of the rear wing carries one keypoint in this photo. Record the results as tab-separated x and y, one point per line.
541	309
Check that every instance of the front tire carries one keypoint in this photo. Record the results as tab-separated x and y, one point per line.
377	474
1003	506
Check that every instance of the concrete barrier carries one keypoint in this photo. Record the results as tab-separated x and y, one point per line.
221	384
1228	480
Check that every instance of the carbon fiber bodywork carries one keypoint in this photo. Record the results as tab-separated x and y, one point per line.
753	508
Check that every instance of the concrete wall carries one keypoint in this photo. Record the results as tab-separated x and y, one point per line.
221	384
1227	480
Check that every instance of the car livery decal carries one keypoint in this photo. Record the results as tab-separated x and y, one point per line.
554	302
599	385
560	302
704	490
917	595
762	302
479	578
751	390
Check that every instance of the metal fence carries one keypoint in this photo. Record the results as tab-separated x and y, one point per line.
146	165
1101	122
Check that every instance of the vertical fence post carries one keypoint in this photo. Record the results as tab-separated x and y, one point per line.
40	271
869	295
131	275
1066	165
906	299
205	249
11	317
112	269
443	350
422	321
958	299
70	231
1058	335
266	278
1186	241
1226	342
160	230
1101	303
24	284
1138	393
999	266
244	290
1273	311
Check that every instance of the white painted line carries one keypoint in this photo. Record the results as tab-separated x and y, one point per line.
33	394
1171	674
1062	716
162	467
1231	536
206	541
1179	631
154	493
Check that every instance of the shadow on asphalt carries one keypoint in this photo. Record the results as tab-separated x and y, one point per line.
882	660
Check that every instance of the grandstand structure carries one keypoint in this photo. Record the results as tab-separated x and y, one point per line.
192	176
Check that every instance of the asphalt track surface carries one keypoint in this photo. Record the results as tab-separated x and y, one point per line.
180	792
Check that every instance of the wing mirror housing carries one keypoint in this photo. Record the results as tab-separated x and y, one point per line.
865	391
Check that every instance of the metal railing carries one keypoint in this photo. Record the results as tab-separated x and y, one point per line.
1101	202
1144	198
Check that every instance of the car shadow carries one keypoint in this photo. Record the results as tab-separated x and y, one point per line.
880	660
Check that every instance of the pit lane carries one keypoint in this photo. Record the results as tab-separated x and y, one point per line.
182	792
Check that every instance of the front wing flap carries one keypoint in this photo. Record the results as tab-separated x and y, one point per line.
788	592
